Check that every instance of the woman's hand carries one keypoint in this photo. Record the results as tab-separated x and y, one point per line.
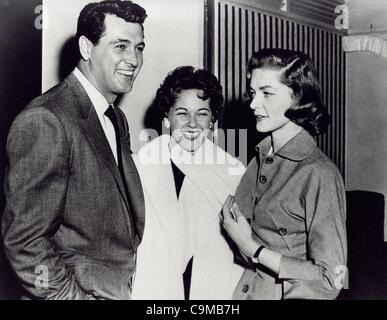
238	227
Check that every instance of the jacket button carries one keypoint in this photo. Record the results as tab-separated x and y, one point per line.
262	179
283	231
269	160
245	288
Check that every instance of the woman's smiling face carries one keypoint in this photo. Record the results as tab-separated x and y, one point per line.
190	118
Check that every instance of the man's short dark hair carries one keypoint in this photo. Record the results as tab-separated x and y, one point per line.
91	21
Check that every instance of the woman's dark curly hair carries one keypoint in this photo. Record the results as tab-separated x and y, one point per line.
186	78
298	73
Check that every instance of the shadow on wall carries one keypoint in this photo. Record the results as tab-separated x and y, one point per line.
238	115
69	57
153	118
367	251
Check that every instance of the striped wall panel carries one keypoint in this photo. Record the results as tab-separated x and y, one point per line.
240	30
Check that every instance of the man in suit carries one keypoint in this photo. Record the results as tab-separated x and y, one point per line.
74	211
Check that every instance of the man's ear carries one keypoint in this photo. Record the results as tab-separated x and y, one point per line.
85	47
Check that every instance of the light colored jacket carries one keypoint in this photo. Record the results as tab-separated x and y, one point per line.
295	201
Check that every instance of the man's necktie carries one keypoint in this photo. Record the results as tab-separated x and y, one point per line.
113	118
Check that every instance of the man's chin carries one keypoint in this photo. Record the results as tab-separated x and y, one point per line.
124	90
126	84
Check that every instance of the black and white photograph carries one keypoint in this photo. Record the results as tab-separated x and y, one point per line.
193	150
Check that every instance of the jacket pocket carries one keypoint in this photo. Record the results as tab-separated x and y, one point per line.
287	286
101	281
288	228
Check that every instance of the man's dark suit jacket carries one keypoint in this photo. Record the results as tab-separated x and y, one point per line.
68	218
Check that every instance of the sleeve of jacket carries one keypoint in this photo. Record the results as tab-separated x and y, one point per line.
35	185
322	275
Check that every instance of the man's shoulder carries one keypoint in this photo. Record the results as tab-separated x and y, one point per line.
61	101
56	104
56	97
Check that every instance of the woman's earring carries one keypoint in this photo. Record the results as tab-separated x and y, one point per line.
167	123
211	125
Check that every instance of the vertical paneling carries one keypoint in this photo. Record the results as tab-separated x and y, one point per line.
241	30
243	47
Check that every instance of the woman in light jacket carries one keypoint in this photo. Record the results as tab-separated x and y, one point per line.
186	179
288	217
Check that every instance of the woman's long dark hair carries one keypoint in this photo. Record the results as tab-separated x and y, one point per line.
298	73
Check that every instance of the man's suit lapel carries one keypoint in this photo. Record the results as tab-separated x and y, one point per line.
135	192
98	138
94	132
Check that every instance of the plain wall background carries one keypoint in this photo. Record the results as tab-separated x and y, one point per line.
367	103
367	123
368	16
173	36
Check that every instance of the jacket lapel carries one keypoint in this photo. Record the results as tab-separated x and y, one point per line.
93	130
133	182
97	137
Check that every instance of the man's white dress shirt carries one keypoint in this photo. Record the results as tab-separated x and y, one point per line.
101	105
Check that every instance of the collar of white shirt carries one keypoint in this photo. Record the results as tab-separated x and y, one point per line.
100	105
97	99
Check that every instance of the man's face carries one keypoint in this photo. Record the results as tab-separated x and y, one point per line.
116	59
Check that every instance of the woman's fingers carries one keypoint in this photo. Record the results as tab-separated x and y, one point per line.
226	208
229	201
236	211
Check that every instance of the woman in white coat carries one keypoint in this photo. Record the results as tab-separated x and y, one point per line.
186	178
